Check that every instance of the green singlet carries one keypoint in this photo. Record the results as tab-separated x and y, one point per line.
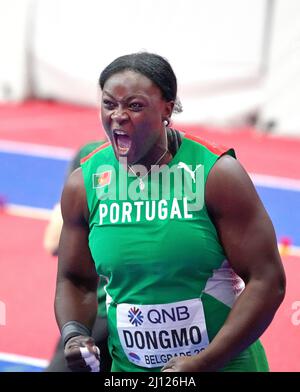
170	287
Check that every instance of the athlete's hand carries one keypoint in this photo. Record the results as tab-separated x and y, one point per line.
181	364
82	355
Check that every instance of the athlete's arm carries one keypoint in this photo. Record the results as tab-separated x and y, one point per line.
76	288
247	235
77	279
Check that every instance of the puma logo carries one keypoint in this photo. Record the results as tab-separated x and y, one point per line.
184	166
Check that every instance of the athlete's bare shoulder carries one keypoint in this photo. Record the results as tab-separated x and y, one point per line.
73	201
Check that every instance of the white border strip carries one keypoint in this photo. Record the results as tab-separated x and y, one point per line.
295	251
289	251
15	358
275	182
27	212
36	150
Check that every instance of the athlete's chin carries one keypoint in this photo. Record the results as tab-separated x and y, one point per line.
124	154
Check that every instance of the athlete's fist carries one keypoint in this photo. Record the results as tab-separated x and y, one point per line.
82	355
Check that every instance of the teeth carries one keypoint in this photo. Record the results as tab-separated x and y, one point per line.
120	132
123	149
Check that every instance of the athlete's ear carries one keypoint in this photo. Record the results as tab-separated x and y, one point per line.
168	110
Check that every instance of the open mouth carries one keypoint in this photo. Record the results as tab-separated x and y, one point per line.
122	141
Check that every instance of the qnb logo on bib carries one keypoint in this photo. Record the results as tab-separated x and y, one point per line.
135	316
152	334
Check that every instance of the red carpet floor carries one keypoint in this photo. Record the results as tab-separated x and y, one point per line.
28	273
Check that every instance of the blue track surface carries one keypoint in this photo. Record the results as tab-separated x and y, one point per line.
37	182
283	207
6	366
31	181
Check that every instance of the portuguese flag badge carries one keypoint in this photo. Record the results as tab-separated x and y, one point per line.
102	179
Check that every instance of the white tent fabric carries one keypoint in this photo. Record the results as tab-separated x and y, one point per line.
56	49
280	108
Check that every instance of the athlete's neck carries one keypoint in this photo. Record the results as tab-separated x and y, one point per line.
158	155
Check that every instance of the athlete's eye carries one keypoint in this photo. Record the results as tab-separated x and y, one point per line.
108	104
136	106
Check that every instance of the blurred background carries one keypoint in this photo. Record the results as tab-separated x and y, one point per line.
238	69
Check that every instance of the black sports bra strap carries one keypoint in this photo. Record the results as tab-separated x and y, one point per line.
175	139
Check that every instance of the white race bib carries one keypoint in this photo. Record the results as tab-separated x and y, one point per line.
152	334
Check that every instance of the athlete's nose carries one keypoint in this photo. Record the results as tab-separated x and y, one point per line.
119	115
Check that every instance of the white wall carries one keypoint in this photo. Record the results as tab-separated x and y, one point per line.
15	21
214	47
282	88
207	42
